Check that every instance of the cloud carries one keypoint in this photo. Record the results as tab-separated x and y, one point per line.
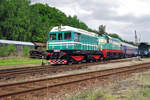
119	16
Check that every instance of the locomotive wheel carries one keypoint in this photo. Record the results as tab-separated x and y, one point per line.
79	62
91	61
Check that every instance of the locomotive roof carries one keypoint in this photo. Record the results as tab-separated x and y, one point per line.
112	38
16	42
69	28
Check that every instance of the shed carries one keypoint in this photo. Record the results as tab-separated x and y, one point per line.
18	44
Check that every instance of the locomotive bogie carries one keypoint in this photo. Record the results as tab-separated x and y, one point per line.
73	56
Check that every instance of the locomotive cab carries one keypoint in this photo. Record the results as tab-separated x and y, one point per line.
60	40
59	43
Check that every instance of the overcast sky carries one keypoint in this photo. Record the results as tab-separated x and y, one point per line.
119	16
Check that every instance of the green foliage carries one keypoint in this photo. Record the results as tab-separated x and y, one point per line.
15	19
3	51
25	22
43	49
19	61
9	50
102	29
115	36
92	95
21	21
26	51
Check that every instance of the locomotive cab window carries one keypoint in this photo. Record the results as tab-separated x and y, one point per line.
60	36
67	36
52	36
77	36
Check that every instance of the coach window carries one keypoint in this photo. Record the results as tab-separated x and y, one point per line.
59	36
52	36
67	36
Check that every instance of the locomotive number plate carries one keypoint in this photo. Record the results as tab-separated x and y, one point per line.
56	50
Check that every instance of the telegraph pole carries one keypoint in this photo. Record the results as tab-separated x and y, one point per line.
136	38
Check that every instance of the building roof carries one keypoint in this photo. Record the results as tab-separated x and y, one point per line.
16	42
68	28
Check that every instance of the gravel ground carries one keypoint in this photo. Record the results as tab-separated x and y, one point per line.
132	88
19	66
136	87
104	66
88	69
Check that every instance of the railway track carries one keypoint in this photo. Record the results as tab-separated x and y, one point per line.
38	89
8	74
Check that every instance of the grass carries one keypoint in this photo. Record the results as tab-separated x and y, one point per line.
91	95
136	88
19	61
144	94
143	91
140	95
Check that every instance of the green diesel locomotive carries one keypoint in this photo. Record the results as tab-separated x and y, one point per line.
67	45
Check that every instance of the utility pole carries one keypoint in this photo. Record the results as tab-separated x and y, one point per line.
136	38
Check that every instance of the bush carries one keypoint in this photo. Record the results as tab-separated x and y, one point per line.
26	51
44	49
9	50
3	51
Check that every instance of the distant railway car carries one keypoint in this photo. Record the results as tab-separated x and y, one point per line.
129	50
39	51
71	45
19	45
144	49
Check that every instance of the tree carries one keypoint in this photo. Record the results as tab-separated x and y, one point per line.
21	21
115	36
15	20
102	29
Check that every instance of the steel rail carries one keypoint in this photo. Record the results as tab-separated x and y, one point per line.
69	79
